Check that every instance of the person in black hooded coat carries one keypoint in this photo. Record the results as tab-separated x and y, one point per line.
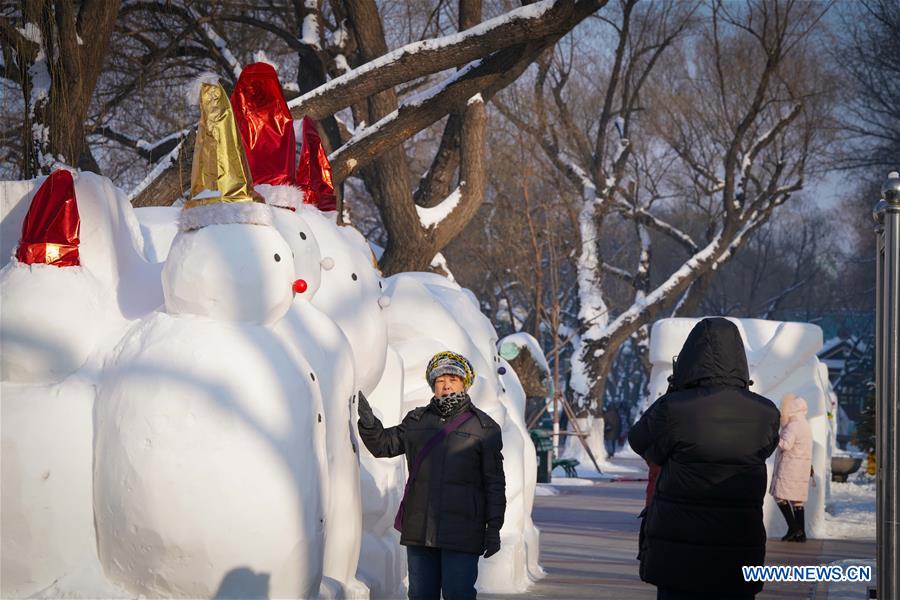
711	437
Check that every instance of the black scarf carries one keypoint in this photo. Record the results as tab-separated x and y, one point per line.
449	404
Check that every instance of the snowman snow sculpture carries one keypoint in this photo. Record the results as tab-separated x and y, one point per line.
509	347
210	442
267	133
351	294
51	326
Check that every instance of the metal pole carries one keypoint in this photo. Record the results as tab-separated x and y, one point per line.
880	429
887	387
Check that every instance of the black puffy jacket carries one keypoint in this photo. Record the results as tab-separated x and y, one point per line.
460	489
711	437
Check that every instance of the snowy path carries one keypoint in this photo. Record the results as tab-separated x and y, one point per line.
589	540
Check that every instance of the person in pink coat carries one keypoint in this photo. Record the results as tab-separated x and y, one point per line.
793	460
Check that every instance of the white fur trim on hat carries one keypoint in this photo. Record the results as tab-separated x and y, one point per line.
282	196
225	213
445	370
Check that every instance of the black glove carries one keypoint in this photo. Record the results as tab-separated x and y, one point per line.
366	416
491	541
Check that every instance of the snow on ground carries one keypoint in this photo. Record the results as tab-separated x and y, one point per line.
850	511
850	590
545	489
622	466
562	480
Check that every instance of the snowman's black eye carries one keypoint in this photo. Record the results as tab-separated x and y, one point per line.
353	276
302	236
277	257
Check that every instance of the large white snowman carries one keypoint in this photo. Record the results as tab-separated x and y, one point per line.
349	297
330	354
268	136
428	314
210	434
66	296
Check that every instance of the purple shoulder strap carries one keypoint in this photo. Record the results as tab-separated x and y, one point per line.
423	454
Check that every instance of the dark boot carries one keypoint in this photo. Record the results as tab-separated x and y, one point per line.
799	525
788	513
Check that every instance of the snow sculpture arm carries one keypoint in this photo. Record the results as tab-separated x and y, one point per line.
381	442
493	479
649	435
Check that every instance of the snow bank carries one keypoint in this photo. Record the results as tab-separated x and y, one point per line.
782	359
850	511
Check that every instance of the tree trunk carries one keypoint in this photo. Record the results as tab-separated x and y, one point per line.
387	178
310	75
60	50
690	305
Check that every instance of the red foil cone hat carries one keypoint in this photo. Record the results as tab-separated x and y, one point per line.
266	125
314	172
50	230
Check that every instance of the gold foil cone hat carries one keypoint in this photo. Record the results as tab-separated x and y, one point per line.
221	185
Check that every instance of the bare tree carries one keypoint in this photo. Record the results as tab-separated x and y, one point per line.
871	57
348	42
681	127
54	52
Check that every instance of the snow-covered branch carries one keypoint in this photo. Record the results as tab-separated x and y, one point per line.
216	40
644	217
168	161
617	272
309	31
431	217
675	283
766	139
472	172
519	26
151	152
485	77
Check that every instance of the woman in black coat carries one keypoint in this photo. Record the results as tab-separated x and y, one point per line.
453	510
711	437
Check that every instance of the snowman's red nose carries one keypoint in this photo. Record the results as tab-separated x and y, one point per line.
299	286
